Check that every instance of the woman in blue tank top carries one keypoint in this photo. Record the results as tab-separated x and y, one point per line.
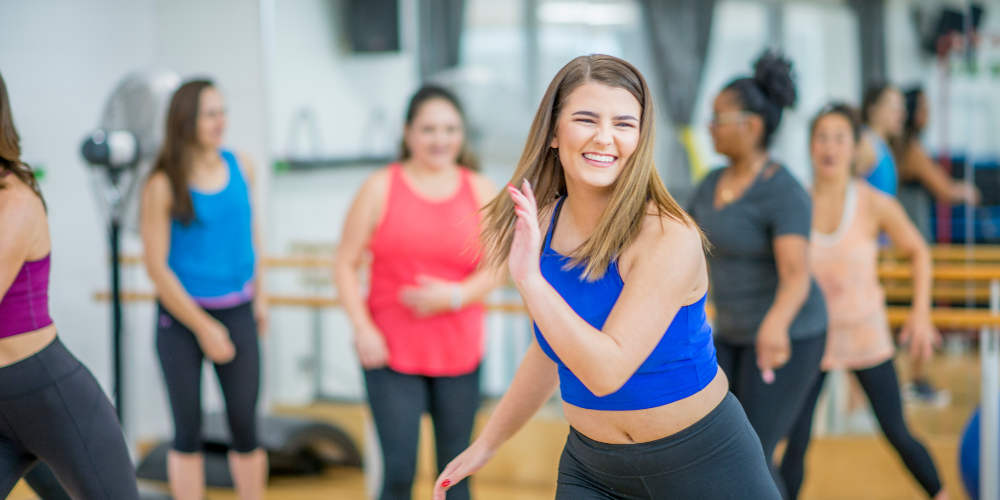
199	237
614	275
883	112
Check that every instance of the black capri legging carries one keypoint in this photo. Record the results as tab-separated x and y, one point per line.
398	401
882	388
772	408
52	409
181	359
716	458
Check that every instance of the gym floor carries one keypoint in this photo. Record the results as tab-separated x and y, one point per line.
861	467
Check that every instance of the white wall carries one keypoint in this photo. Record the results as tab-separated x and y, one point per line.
357	100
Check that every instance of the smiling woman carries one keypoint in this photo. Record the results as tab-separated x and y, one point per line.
419	335
617	295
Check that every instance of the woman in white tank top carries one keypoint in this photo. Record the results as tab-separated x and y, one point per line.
848	216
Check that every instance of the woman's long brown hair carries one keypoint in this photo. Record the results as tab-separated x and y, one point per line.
10	147
181	136
638	185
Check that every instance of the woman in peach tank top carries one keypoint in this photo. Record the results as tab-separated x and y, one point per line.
419	335
848	216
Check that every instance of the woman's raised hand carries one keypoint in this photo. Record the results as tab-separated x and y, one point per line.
526	246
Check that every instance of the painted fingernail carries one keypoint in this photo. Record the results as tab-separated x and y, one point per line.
446	483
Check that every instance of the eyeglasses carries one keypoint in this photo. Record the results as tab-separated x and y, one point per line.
728	117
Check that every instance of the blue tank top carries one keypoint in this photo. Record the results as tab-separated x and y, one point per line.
213	256
883	176
682	364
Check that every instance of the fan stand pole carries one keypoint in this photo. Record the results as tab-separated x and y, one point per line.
116	314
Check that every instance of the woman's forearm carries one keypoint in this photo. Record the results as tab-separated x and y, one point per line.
534	383
349	293
793	290
175	298
923	279
478	285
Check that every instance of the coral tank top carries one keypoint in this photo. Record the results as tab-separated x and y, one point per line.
437	238
845	264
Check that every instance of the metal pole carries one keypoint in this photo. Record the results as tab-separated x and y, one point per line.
989	421
116	317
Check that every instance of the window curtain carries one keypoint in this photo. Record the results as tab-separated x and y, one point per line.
440	35
678	32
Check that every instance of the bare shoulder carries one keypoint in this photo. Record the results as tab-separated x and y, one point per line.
158	187
17	199
484	188
662	232
21	210
875	198
246	165
377	184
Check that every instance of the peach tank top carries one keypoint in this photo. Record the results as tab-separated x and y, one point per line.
845	264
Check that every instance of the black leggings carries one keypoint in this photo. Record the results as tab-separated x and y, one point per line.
398	401
718	457
882	388
772	408
52	409
181	359
44	482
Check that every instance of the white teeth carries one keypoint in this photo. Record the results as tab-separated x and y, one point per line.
600	158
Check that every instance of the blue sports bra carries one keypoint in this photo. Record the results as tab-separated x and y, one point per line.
883	176
682	364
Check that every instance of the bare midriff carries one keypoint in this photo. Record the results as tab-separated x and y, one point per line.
25	345
643	426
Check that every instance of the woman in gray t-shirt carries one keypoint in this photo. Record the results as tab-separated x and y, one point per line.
770	326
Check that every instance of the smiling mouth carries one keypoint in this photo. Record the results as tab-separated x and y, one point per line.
600	160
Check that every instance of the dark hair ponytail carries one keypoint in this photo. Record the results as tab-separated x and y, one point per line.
466	157
10	147
768	92
175	153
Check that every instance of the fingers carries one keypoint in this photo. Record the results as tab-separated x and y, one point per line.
905	334
766	366
451	476
521	199
770	359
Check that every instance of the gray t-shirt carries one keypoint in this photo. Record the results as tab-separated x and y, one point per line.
742	268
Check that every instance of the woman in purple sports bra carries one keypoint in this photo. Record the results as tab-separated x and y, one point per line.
53	411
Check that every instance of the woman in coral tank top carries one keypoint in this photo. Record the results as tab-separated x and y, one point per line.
419	335
848	216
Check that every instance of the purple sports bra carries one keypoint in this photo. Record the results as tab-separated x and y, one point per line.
25	306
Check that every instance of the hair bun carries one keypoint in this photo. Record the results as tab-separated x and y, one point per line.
773	75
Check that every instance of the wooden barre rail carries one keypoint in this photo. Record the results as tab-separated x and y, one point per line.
301	301
939	253
952	272
941	316
954	253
